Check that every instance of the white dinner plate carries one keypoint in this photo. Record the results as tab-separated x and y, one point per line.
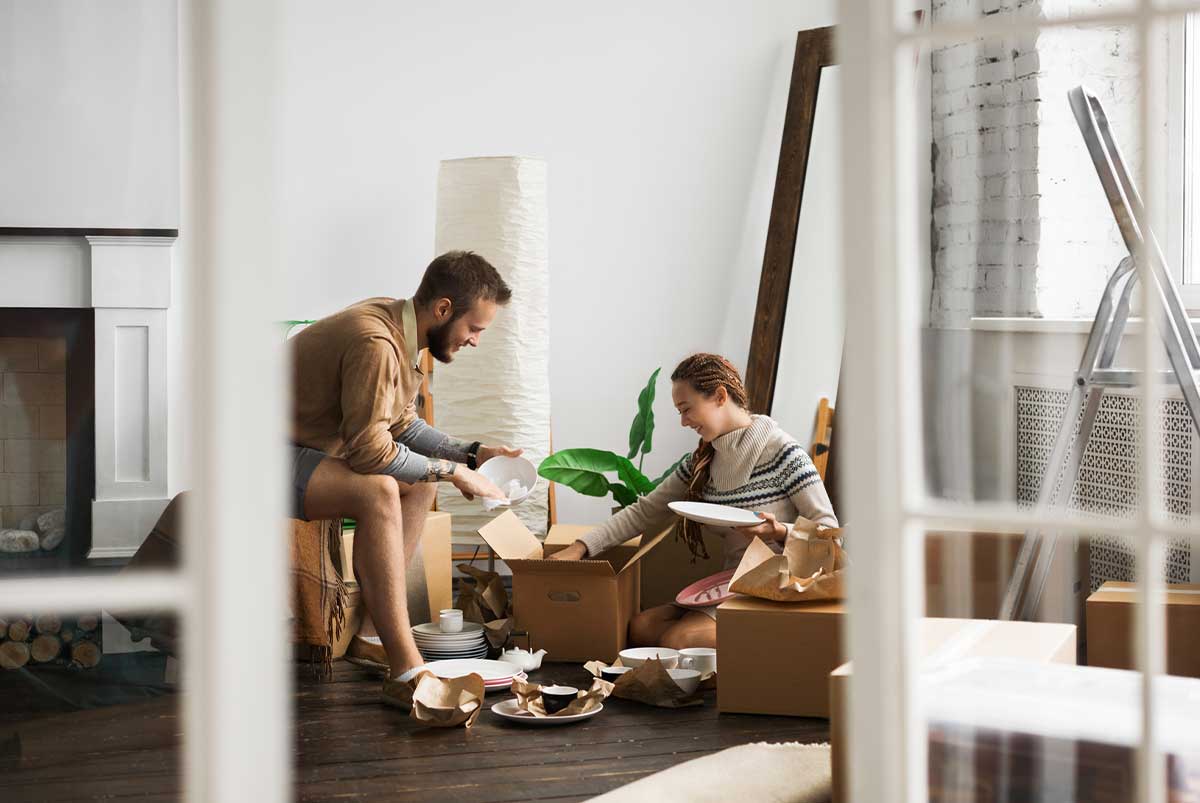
720	515
488	670
508	710
451	645
431	629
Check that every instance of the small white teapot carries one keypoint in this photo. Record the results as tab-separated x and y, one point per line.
524	660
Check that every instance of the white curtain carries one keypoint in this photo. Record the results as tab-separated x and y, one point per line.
499	393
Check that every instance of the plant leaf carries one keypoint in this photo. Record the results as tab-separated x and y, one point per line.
635	479
622	494
581	470
668	472
641	431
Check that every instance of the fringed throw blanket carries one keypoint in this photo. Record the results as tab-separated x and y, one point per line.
319	597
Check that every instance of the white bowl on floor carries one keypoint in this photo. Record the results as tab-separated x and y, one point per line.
636	656
686	679
504	470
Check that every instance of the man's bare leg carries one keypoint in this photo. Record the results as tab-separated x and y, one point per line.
373	501
415	501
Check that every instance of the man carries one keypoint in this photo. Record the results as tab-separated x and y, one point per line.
360	450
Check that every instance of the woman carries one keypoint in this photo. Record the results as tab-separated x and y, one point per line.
742	460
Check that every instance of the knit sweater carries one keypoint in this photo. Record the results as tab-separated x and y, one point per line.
759	467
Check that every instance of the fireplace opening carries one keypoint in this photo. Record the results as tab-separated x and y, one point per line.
47	439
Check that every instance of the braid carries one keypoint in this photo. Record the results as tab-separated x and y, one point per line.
705	373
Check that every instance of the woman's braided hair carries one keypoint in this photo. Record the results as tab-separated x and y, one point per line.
705	373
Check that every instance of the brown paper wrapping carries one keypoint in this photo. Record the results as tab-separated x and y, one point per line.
650	684
811	568
529	698
485	601
444	703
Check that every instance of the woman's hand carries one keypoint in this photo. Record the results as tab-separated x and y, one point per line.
486	453
576	551
771	528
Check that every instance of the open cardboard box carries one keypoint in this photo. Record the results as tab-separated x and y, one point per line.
575	610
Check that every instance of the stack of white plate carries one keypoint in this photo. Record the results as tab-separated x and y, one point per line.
497	675
438	646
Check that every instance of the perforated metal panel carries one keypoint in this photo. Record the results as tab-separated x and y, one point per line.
1108	473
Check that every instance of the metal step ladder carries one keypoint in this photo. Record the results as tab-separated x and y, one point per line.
1096	370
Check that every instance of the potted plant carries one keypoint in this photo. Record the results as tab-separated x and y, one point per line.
587	470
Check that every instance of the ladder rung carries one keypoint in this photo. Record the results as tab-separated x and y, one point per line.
1127	378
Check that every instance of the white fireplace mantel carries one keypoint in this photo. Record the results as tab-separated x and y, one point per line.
126	280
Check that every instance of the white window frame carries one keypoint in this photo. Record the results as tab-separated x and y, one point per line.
887	509
231	591
1183	146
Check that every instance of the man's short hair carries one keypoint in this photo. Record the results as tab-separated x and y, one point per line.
464	277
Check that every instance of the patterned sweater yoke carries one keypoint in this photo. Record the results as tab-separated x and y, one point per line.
759	467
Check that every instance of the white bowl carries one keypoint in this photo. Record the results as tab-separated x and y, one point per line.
686	679
503	470
636	656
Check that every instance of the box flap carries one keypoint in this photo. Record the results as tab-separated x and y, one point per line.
1126	593
564	568
511	539
646	546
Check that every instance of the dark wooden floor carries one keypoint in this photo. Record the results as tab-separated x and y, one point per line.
349	746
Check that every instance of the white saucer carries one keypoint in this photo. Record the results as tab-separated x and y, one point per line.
720	515
488	670
508	710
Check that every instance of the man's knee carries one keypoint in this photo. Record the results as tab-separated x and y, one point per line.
377	496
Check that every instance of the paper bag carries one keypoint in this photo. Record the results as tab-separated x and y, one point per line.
445	703
529	698
812	567
650	684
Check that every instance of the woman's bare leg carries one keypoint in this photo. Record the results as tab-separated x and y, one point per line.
647	628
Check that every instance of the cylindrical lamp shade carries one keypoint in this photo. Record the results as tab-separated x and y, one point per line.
499	393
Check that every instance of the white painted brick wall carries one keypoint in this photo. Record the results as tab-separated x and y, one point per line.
1020	226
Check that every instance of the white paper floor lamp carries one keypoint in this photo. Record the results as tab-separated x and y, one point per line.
499	392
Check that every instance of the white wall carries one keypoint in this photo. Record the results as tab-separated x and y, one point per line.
654	122
89	114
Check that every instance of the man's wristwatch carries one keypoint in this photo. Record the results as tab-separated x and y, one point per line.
473	455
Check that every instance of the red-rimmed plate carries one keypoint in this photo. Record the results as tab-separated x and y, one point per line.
712	590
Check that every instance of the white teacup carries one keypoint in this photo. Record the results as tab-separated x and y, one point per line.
702	659
450	620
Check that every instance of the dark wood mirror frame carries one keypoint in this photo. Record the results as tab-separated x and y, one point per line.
814	51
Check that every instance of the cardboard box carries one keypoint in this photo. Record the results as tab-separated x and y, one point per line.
1111	613
575	610
665	571
945	640
775	657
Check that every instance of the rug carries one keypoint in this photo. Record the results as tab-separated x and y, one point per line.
764	773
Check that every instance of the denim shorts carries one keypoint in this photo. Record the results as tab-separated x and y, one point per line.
304	463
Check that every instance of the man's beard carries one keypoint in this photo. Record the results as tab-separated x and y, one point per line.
439	342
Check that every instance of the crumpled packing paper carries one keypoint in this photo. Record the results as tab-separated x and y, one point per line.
811	568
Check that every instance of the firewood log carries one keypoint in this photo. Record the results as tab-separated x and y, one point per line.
87	623
85	653
67	635
14	654
46	647
48	623
18	630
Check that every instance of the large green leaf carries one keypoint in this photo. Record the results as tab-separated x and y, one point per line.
668	472
622	494
641	432
584	470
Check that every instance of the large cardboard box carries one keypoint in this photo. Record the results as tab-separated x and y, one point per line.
666	570
575	610
1111	613
775	657
945	640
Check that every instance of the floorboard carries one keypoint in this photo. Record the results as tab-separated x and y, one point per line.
350	747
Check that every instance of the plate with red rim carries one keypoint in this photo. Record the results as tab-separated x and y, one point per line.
708	591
